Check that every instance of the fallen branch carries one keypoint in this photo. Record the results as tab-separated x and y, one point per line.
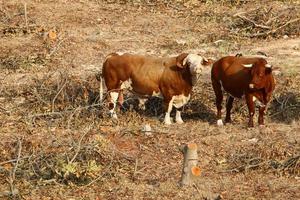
253	22
274	30
14	160
79	144
13	190
53	101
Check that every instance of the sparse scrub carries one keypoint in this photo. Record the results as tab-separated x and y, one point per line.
57	142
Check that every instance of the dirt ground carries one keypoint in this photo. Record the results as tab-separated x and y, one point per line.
57	141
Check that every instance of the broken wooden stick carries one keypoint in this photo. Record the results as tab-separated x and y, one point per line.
190	171
26	18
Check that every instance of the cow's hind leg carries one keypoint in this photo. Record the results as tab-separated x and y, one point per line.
219	99
142	102
229	103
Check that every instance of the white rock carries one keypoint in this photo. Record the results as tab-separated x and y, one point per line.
147	129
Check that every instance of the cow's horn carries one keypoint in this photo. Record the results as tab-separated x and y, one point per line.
247	65
184	61
268	66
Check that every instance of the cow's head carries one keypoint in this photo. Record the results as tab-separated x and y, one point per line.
259	71
194	62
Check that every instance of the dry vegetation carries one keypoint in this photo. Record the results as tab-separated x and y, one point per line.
57	141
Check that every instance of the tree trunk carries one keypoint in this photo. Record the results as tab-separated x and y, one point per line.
190	171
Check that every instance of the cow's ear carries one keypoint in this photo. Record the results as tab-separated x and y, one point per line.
206	62
181	60
268	69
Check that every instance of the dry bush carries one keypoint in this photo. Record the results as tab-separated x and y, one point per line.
269	21
267	155
285	106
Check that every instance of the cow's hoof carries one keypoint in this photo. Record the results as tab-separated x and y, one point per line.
262	126
250	125
179	121
220	122
113	116
167	123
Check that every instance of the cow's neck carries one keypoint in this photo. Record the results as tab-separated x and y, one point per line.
188	77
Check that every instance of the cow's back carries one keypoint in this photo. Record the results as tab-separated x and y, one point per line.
143	72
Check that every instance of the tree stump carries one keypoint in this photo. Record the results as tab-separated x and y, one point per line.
190	171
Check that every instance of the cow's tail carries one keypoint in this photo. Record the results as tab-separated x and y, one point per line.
99	77
101	89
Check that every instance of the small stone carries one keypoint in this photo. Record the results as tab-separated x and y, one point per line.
285	37
253	140
147	130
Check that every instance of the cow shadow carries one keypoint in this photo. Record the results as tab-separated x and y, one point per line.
198	110
194	110
285	108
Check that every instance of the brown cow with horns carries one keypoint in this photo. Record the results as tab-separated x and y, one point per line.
243	76
170	77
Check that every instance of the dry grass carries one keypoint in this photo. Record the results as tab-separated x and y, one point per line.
57	139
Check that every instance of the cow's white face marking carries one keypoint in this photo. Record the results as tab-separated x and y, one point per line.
180	100
127	84
195	62
251	86
257	102
114	98
220	122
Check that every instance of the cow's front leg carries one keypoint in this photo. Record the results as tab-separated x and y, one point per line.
178	116
168	104
261	115
251	108
112	104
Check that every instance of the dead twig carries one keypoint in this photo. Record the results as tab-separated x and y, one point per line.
253	22
135	168
62	87
14	160
79	143
13	190
56	47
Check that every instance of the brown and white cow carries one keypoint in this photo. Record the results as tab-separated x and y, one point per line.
243	76
171	78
